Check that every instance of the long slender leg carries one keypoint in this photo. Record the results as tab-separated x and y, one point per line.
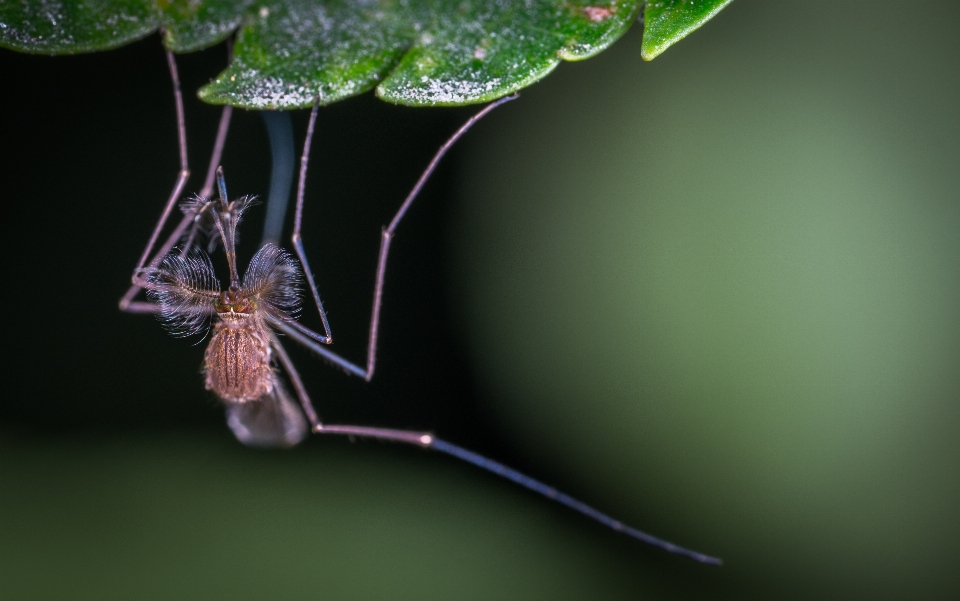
193	220
182	177
429	441
304	335
327	338
126	302
308	338
298	386
184	173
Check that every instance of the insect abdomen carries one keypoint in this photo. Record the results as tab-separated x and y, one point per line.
237	362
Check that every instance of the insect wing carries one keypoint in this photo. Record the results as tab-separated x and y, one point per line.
274	279
185	287
273	420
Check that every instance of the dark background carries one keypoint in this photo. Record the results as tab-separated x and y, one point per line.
89	148
714	295
89	155
121	479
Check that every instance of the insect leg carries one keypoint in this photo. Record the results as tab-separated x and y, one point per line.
207	189
314	342
297	241
429	441
182	177
298	386
385	238
127	302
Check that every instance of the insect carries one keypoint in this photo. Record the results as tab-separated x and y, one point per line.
245	356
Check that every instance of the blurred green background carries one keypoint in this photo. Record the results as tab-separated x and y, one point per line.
725	285
716	295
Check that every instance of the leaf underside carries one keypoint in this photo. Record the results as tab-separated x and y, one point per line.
294	53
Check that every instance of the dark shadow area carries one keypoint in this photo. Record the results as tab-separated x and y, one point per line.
89	155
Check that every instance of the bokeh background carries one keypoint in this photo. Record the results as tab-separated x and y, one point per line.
716	295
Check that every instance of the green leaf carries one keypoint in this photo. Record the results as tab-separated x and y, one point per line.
666	22
293	53
484	51
423	52
191	25
67	27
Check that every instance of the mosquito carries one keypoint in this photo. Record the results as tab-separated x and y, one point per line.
245	358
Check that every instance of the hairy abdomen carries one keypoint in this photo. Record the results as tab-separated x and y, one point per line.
237	362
